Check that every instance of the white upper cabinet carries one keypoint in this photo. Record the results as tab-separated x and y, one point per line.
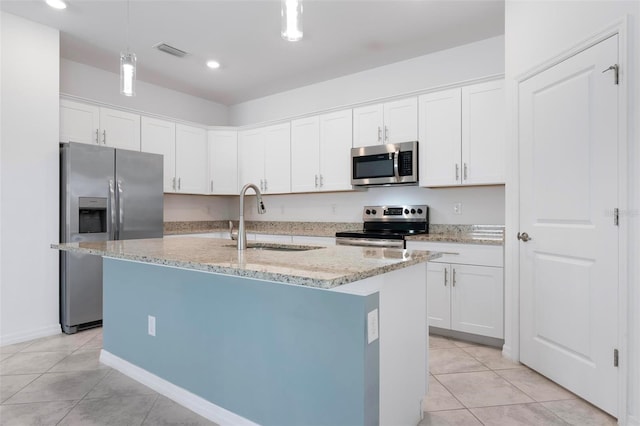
277	159
159	137
265	158
336	130
97	125
320	152
462	136
391	122
120	129
483	133
79	122
192	171
223	162
305	154
440	149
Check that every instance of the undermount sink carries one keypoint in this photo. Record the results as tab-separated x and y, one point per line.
277	247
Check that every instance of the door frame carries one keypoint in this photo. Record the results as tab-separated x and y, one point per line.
511	348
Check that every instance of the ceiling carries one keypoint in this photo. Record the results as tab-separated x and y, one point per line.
340	37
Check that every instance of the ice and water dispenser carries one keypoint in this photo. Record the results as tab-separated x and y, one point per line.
92	215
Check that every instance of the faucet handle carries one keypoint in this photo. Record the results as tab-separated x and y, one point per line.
232	234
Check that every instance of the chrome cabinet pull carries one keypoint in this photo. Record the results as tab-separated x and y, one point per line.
104	137
453	277
445	277
386	133
179	183
465	171
379	134
457	172
316	181
98	136
212	186
321	181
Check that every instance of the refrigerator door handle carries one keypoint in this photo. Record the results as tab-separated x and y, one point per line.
120	208
111	224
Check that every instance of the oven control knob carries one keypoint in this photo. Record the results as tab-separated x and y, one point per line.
413	211
406	211
419	211
367	211
373	211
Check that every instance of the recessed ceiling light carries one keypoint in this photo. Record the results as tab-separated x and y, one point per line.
57	4
213	64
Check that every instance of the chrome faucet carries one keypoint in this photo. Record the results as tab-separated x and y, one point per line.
242	232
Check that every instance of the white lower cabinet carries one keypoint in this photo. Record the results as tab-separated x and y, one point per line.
466	297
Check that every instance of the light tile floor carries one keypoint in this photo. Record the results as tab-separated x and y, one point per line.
59	380
471	384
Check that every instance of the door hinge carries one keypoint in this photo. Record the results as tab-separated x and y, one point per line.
616	217
615	357
616	69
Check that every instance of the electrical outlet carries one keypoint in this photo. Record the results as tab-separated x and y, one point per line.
152	325
372	326
457	208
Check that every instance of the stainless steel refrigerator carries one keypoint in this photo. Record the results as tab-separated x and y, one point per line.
105	194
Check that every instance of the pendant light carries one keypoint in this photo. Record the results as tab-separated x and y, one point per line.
291	14
128	67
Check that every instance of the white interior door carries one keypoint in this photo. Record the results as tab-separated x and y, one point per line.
568	189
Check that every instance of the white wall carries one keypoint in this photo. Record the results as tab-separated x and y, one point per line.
95	84
479	59
536	31
480	205
187	208
29	180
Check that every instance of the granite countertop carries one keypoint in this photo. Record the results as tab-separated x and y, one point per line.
463	234
324	267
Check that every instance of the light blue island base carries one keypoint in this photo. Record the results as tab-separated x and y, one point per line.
246	351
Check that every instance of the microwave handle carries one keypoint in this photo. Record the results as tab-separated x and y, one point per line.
396	171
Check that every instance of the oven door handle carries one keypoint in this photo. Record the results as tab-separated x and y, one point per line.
361	242
396	168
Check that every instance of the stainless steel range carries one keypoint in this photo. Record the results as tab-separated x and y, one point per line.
387	226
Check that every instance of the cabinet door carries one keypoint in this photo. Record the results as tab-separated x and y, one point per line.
367	125
79	122
277	159
483	133
120	129
477	300
439	294
223	162
336	138
401	121
251	158
192	169
159	137
305	150
440	136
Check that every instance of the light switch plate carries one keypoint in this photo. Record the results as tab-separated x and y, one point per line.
152	325
372	326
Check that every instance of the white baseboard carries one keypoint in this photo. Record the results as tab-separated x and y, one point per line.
182	396
25	336
507	353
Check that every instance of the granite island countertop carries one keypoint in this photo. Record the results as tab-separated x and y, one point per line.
320	267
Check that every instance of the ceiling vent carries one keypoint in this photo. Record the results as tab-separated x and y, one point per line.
164	47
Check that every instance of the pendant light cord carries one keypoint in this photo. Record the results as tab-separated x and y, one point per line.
128	12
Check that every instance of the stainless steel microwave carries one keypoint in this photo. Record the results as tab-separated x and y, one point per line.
391	164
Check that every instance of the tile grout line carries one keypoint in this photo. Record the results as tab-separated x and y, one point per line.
155	401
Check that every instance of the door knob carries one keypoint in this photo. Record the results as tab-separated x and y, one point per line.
524	237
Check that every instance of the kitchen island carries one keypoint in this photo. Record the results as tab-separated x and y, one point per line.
281	335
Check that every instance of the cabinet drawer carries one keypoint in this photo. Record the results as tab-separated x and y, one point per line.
468	254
